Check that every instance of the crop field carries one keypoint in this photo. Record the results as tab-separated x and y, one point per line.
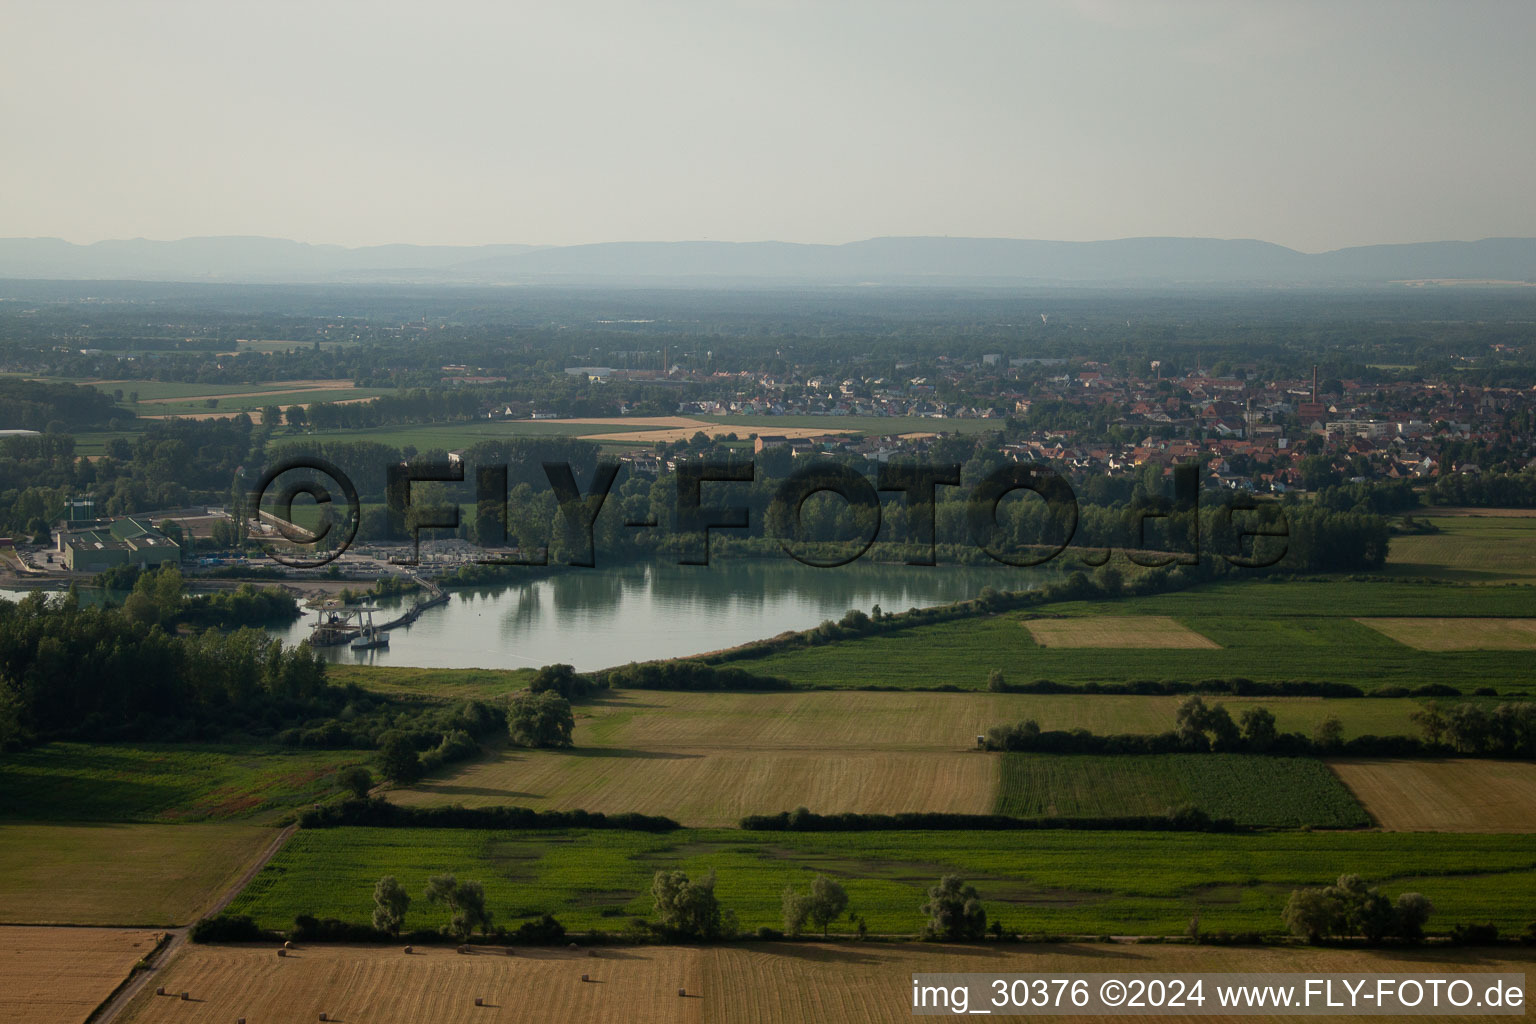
1053	882
60	975
1156	631
756	983
852	719
142	875
165	783
1459	634
1249	789
176	391
1479	547
1264	631
253	401
879	426
1444	796
707	759
703	787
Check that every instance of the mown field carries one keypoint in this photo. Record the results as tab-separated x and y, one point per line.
1249	789
1265	631
1461	634
60	975
1052	882
142	875
759	983
1469	548
1444	796
716	788
707	759
164	782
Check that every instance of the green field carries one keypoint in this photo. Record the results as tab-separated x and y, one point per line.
1469	548
256	402
876	425
1249	789
1071	882
149	875
1300	630
450	436
164	783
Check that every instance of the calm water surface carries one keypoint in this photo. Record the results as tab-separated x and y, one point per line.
600	618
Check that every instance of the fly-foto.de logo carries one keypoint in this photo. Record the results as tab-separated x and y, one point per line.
709	495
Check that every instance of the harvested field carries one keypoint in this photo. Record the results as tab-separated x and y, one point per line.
715	787
1458	634
153	875
768	983
708	758
1155	631
60	975
658	429
1444	796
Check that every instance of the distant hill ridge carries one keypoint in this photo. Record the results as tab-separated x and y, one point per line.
876	260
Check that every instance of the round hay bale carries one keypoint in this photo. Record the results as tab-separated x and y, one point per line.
479	1001
288	945
186	995
282	952
511	951
407	950
682	993
463	949
324	1017
572	947
160	991
585	978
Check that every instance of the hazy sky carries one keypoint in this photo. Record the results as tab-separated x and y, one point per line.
1315	125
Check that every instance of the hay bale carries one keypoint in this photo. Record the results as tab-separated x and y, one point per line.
585	978
288	945
408	950
682	993
160	991
186	995
511	951
479	1001
572	947
324	1017
463	949
282	952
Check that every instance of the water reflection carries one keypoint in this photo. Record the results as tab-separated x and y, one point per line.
596	619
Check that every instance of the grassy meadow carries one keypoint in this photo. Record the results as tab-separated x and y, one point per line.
1054	882
165	782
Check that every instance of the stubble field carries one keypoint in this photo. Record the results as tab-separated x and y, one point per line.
1444	796
748	984
59	975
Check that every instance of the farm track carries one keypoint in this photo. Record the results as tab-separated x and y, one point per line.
177	937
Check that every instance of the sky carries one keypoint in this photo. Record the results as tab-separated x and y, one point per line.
1314	125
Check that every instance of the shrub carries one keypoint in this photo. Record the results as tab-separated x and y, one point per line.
226	928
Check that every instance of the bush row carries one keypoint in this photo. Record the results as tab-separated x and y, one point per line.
380	813
1184	819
